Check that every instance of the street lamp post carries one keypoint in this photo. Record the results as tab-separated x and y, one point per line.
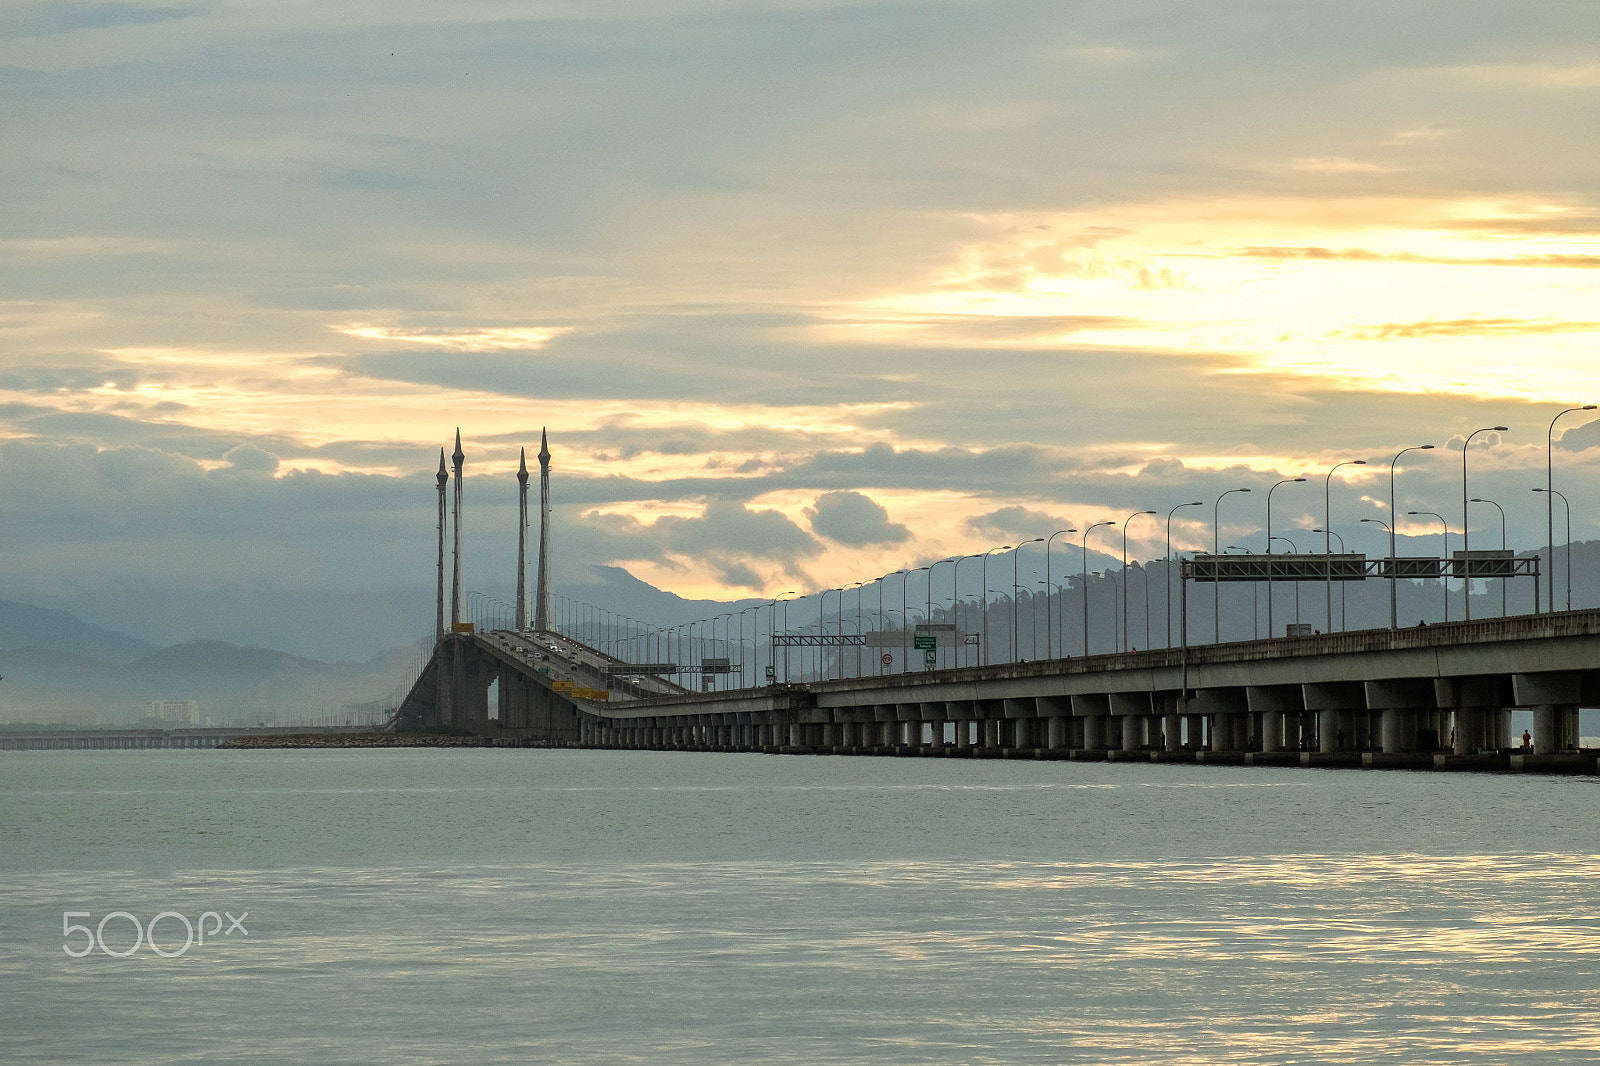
1255	599
1166	564
772	651
1049	645
1086	531
984	617
1061	597
1014	597
1391	526
931	568
1343	620
1286	481
1294	548
1216	549
1567	506
905	619
753	657
881	615
1446	580
1503	581
1122	576
1327	524
1550	507
1466	546
955	604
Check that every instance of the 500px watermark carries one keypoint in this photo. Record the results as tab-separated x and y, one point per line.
146	934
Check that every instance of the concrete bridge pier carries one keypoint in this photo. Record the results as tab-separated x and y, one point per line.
1555	699
1133	710
1229	713
1479	719
1336	706
1273	703
1093	710
1401	705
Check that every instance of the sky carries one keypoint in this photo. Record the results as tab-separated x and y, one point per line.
805	292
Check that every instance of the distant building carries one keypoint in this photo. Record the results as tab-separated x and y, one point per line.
172	712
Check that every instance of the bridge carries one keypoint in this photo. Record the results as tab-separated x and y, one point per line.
1433	696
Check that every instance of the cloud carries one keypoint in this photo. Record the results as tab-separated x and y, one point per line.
249	459
1580	437
1011	521
853	518
1562	261
1467	327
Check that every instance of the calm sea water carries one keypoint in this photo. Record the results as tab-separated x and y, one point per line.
482	906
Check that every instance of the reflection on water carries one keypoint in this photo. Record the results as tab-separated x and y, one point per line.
886	910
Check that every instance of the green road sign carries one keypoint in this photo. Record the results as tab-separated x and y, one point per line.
771	673
925	642
930	658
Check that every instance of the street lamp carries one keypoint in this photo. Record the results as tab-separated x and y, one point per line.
1255	599
985	615
1216	549
1445	581
782	598
905	619
931	568
1466	552
1327	524
1343	620
955	604
1294	548
1550	508
1286	481
1166	567
1086	531
1049	646
1014	597
1394	521
1567	504
1061	594
1123	575
753	657
1503	581
881	615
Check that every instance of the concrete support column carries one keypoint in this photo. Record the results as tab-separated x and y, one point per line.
1332	735
1093	740
1273	703
1172	734
1555	698
1397	731
991	732
1056	732
1271	730
1555	728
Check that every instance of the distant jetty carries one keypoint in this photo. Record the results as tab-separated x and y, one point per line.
359	740
383	740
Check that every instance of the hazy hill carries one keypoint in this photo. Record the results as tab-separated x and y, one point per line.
78	672
23	625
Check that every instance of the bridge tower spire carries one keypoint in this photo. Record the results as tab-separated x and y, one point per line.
455	582
522	541
438	614
541	608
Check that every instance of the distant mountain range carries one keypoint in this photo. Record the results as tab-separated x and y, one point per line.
59	668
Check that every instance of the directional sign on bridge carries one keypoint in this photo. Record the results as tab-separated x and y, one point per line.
1210	568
